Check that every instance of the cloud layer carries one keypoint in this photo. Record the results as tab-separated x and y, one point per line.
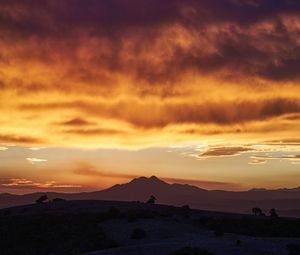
224	151
29	184
84	73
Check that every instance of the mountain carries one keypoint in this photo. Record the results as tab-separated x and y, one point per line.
286	201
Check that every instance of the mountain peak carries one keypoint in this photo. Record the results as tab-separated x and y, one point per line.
153	180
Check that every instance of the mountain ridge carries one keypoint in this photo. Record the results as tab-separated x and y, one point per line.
141	188
153	178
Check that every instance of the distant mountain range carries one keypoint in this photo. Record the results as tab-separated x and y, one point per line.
286	201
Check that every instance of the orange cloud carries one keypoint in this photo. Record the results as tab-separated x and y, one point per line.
169	113
147	72
25	183
4	138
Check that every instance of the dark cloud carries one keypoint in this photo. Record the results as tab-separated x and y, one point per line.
10	138
101	17
76	122
120	14
287	70
258	38
224	151
292	117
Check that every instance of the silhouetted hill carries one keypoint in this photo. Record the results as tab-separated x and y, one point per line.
286	201
119	227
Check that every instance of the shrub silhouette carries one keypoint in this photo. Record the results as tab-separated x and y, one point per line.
273	213
190	251
151	200
138	233
293	249
185	207
257	211
42	199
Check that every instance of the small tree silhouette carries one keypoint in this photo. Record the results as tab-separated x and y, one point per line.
151	200
273	213
257	211
42	199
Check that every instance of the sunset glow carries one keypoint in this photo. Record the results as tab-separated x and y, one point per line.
94	93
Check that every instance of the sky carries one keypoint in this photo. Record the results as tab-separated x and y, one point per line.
97	92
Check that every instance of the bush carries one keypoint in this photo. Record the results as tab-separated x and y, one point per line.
42	199
185	207
190	251
294	249
138	233
151	200
273	213
184	211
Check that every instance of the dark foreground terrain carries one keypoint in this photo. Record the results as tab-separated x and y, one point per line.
110	227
